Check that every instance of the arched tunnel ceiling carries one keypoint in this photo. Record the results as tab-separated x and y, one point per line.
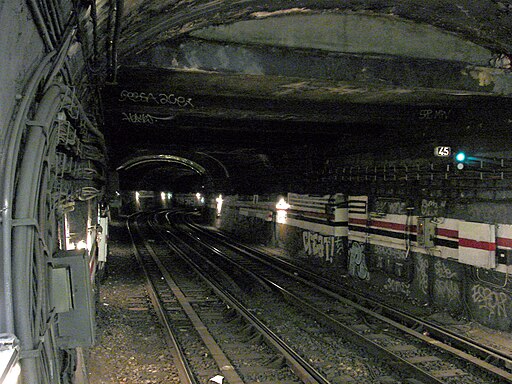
271	89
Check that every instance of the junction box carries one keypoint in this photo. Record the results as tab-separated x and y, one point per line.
425	232
72	297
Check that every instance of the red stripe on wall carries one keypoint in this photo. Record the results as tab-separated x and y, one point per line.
382	224
352	220
451	233
483	245
393	226
309	213
504	242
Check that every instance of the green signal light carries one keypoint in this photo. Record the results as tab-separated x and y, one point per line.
460	157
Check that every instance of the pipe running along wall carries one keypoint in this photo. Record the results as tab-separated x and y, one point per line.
34	233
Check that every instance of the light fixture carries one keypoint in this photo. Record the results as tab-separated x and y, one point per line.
219	201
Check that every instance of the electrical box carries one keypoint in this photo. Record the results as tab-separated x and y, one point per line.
425	232
61	295
73	299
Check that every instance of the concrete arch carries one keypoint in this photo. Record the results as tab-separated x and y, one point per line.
142	160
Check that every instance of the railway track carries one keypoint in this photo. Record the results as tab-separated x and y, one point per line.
211	333
499	359
417	355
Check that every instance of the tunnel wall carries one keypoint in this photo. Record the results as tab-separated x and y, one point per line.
22	50
410	253
248	218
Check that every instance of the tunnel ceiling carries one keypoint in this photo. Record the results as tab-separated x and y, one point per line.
260	86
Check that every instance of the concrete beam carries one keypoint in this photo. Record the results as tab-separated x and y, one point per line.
401	74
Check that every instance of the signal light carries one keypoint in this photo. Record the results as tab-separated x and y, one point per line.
460	157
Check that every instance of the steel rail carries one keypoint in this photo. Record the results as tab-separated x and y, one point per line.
441	333
307	373
184	370
485	352
218	355
348	333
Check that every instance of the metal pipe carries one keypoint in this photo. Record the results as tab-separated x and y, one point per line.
94	17
57	26
40	24
48	22
9	163
117	34
26	198
109	37
58	15
61	57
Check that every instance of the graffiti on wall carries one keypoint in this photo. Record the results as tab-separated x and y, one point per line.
447	291
143	118
427	114
487	299
158	99
442	271
390	206
397	286
324	247
357	261
432	208
339	245
422	270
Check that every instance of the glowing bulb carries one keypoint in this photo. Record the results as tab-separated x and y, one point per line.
81	245
282	204
219	201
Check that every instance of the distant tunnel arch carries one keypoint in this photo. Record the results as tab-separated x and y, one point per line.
143	160
174	171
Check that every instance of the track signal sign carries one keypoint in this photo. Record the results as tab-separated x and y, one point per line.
442	151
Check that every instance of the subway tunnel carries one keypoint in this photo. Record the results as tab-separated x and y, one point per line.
362	97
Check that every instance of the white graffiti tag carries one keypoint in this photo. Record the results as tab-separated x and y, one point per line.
143	118
447	290
442	271
397	286
494	302
357	262
339	246
432	208
318	245
422	269
159	99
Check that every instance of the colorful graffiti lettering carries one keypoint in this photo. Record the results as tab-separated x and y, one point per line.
357	262
494	302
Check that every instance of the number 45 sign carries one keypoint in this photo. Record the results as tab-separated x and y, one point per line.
442	151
